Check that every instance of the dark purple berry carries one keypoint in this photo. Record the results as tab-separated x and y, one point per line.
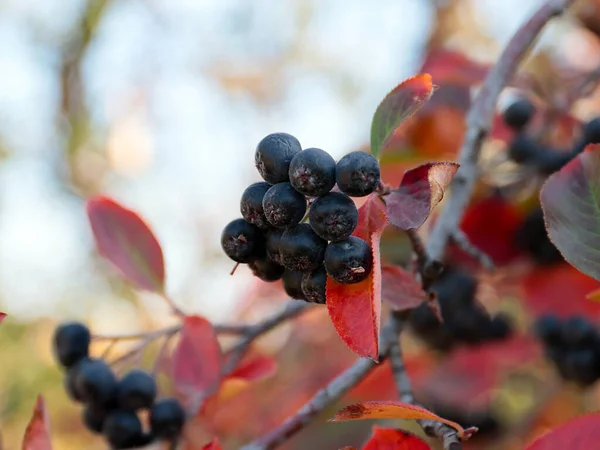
167	418
549	160
469	325
96	382
284	206
292	283
349	261
273	156
136	390
71	343
519	113
251	204
314	285
580	365
577	331
333	216
312	172
242	241
533	238
266	269
591	131
122	429
94	416
301	249
500	327
523	149
70	381
548	329
273	238
455	288
357	174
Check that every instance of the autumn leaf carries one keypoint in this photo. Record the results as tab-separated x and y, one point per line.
127	242
355	309
420	190
403	101
400	289
392	439
37	434
2	316
571	202
582	433
255	368
395	410
213	445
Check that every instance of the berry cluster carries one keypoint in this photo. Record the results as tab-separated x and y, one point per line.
532	237
465	321
573	345
111	405
525	149
272	238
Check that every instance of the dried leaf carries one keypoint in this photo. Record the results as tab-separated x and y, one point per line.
400	289
392	439
37	434
582	433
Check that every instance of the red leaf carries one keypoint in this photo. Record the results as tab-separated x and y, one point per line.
355	309
392	439
127	242
419	192
214	445
400	290
2	316
403	101
449	67
37	434
581	433
571	202
255	368
197	359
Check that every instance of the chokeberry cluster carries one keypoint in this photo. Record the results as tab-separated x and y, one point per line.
532	237
273	237
573	345
465	320
111	406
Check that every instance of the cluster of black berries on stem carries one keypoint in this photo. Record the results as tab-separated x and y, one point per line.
272	236
111	405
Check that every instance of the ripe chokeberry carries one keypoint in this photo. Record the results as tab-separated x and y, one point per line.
314	285
96	382
548	329
532	237
301	249
500	327
242	241
136	390
577	331
71	343
357	174
549	160
292	284
70	381
251	204
167	418
591	131
93	417
266	269
122	429
455	288
272	240
312	172
522	149
349	261
273	156
284	206
519	113
333	216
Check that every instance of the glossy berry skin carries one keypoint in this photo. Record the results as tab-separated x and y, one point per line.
314	286
122	429
71	343
577	331
333	216
455	288
96	382
242	241
522	149
591	131
519	113
70	381
136	390
284	206
266	269
312	172
357	174
167	418
292	284
94	416
273	156
251	204
273	238
349	261
301	249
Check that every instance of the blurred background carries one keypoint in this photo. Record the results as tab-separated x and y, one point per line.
160	104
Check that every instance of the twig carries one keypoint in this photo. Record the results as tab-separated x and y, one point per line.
429	269
462	240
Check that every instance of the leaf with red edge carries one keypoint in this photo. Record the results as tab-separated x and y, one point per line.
403	101
127	241
392	439
450	67
197	359
419	192
581	433
2	316
571	202
37	434
400	289
355	309
395	410
255	368
214	445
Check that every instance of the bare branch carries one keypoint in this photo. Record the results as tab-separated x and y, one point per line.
463	242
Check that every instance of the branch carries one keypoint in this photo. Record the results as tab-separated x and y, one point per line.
479	122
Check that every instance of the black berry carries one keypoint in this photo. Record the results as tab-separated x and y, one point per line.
301	249
349	261
314	285
470	325
251	204
266	269
548	329
136	390
519	113
167	418
284	206
591	131
71	343
70	381
94	416
122	429
273	156
531	236
96	382
549	160
577	331
242	241
580	365
333	216
522	149
500	327
455	288
312	172
273	238
357	174
292	284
